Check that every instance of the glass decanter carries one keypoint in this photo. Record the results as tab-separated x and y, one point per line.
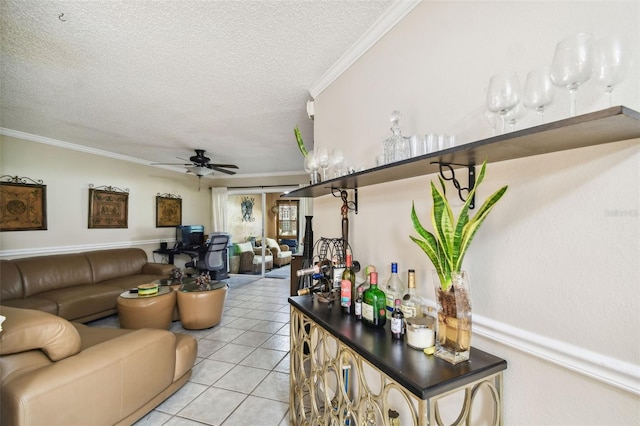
395	147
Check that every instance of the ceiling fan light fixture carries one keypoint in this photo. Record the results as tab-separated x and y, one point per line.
199	170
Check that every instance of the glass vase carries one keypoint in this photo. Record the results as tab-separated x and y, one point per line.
453	338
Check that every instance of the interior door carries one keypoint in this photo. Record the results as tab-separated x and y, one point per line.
287	223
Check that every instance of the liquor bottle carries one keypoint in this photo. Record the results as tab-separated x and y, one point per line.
397	322
374	304
347	287
394	289
320	267
323	285
358	307
411	304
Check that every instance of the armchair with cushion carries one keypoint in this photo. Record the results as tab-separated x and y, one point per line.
281	253
251	259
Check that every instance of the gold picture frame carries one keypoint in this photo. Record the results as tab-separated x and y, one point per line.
108	208
23	206
168	211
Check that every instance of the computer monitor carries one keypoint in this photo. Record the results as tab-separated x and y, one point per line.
190	235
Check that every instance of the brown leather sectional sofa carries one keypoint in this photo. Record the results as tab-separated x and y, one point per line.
78	287
57	372
54	372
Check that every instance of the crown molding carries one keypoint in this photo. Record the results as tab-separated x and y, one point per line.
380	27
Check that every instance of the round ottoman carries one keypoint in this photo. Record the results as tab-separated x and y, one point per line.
201	308
148	311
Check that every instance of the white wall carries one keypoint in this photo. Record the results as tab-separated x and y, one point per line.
67	175
554	269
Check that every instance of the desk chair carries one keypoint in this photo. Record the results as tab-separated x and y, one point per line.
215	259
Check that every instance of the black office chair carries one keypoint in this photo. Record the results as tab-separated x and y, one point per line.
215	259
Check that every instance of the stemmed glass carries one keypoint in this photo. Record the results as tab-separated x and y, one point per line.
337	162
503	94
514	115
323	161
572	64
539	92
311	166
492	120
612	60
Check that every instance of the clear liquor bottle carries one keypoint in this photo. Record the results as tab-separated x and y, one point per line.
411	302
394	289
373	304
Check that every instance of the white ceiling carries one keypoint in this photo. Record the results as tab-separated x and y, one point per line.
154	80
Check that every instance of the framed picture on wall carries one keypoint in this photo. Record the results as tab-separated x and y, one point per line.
108	208
168	211
23	206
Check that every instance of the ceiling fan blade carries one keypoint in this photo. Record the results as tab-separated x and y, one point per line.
226	166
171	164
229	172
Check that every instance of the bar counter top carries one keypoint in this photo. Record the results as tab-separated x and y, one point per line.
423	375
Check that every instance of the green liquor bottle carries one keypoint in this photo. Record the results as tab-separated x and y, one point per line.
374	304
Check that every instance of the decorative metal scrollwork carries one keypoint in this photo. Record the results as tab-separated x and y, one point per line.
167	195
21	180
109	188
448	173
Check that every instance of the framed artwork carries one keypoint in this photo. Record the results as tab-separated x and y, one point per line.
108	208
23	206
168	211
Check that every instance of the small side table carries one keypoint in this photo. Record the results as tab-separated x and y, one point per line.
154	311
201	307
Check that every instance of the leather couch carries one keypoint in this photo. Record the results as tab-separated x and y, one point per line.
55	372
78	287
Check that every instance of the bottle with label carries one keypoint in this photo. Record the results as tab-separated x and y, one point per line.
397	322
411	303
323	285
358	307
347	287
374	304
394	289
320	267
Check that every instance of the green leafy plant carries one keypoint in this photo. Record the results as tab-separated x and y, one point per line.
448	244
303	149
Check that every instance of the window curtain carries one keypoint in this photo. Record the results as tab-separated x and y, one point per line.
219	209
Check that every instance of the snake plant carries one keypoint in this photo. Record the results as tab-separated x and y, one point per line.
446	249
303	149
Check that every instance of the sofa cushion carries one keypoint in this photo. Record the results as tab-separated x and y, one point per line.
26	329
46	273
35	302
271	243
109	264
82	301
244	247
11	280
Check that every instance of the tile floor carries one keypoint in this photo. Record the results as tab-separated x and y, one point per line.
241	376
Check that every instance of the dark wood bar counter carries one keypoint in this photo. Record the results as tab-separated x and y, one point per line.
421	377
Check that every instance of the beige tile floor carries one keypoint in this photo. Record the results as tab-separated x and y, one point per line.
241	376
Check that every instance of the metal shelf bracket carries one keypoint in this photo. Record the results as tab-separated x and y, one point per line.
344	196
447	172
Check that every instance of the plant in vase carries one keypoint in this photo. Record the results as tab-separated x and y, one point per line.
446	248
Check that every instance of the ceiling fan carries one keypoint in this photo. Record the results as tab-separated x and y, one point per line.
201	165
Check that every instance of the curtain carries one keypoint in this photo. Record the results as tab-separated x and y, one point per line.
218	209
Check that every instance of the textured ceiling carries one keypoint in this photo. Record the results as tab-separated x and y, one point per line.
153	80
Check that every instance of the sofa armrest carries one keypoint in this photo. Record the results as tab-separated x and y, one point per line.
130	370
163	269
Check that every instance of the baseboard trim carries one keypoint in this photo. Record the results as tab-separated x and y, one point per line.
614	372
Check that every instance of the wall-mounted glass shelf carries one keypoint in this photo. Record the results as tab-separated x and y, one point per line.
606	126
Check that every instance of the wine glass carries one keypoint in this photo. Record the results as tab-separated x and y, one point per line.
503	94
337	162
323	161
612	60
492	120
514	115
311	166
572	64
539	92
